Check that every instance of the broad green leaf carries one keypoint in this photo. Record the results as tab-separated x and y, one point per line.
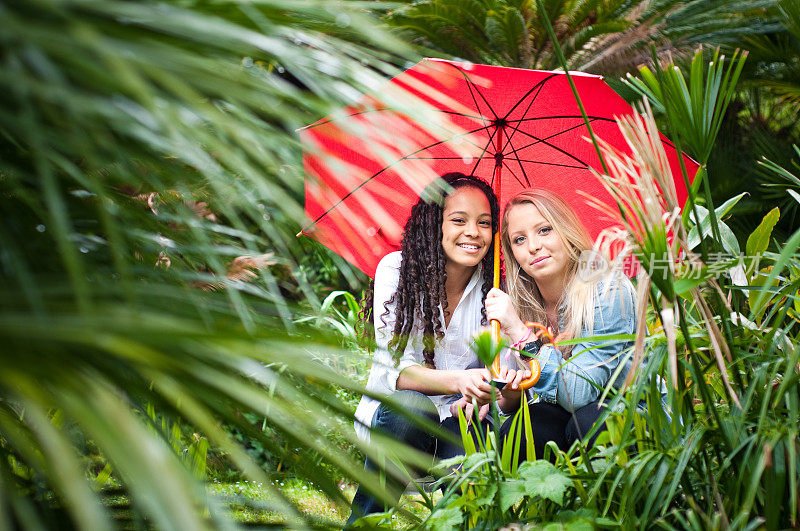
579	524
729	241
511	492
544	480
726	207
486	494
444	520
684	285
758	241
472	459
381	520
788	251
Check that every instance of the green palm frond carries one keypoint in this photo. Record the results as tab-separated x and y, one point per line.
600	36
775	54
674	29
450	26
147	150
782	185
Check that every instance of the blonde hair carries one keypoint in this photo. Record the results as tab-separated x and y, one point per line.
578	299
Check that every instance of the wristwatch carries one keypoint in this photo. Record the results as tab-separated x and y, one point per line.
529	352
531	349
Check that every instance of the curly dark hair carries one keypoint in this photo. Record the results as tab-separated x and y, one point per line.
421	289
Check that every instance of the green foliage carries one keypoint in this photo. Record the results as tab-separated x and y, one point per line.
728	240
779	181
149	269
695	109
193	453
487	489
758	241
761	121
145	147
716	447
486	347
602	36
343	318
781	77
695	112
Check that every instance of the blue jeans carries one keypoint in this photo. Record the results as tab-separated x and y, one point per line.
399	427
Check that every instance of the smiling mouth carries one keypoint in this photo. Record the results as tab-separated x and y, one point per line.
539	260
468	246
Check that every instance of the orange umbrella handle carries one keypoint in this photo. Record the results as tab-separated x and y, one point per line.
536	372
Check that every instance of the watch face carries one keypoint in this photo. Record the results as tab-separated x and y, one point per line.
531	349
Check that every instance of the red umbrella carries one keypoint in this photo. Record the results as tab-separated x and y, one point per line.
515	128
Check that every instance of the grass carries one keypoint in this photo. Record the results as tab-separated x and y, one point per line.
245	497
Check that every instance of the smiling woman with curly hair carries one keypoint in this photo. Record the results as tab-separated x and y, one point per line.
429	301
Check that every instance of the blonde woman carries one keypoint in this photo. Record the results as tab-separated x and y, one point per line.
543	240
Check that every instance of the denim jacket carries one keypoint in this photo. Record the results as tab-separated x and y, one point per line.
579	380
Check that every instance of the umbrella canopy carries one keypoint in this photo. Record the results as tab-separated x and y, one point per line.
515	128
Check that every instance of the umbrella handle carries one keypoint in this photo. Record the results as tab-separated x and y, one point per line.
535	367
494	369
536	372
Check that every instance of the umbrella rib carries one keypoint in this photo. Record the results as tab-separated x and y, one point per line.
462	114
567	153
485	149
505	164
538	88
472	86
556	164
555	117
487	123
365	111
558	117
553	135
521	167
516	150
338	118
464	135
366	181
467	135
446	158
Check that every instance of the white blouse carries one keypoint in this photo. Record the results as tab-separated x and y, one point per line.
451	353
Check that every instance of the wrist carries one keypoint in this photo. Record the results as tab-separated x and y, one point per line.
518	332
456	382
508	401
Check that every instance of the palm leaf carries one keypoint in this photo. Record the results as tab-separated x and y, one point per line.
145	146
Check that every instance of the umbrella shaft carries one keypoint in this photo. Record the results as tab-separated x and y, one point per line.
496	182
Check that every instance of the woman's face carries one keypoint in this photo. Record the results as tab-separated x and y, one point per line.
466	227
537	247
